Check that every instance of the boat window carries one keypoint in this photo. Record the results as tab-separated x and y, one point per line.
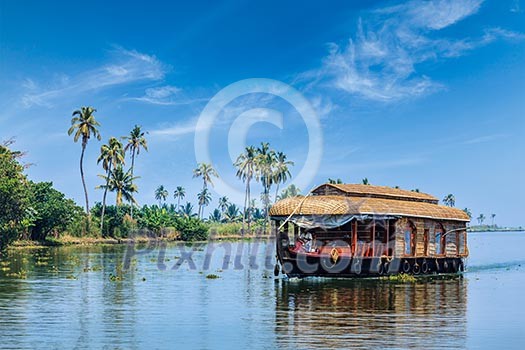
440	239
410	232
408	242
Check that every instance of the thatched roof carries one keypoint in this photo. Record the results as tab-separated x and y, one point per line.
342	205
358	190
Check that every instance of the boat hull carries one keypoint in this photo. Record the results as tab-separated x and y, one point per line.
297	265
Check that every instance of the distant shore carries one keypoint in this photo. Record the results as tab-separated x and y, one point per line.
486	228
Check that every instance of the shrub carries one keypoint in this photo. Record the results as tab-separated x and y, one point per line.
83	226
14	197
52	211
155	218
226	229
191	229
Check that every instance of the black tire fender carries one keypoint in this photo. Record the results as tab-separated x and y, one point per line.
406	266
424	267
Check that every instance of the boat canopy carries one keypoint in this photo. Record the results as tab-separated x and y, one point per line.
328	222
363	201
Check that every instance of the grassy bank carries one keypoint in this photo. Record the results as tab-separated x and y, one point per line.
67	240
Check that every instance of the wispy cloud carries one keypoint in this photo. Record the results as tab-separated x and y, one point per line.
177	129
481	139
127	66
381	61
165	96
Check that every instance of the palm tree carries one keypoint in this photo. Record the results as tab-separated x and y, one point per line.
252	206
246	167
481	218
216	215
178	194
187	210
232	213
365	181
281	173
161	194
204	198
333	181
206	171
122	183
135	141
257	214
468	212
449	200
223	204
266	160
111	156
84	125
290	191
493	216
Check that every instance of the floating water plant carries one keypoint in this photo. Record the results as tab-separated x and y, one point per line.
22	274
212	276
402	278
114	278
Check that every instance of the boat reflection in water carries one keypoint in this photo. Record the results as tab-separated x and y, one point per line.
371	314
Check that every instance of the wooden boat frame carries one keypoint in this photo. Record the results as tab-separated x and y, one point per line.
382	231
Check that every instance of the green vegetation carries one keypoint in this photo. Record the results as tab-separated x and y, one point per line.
84	126
449	200
111	156
50	212
400	278
135	142
206	172
266	165
14	196
37	212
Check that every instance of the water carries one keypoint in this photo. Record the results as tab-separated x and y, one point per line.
68	300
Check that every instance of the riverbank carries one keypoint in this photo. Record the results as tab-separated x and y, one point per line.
71	240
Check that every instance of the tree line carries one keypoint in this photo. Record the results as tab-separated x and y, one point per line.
39	211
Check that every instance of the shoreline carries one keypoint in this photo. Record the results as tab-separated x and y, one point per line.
498	230
90	241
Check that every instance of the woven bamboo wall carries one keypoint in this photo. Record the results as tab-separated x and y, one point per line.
430	225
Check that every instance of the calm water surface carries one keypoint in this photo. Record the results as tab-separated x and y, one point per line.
69	299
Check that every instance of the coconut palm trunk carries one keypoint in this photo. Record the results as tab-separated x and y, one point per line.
84	143
266	207
249	207
246	194
132	167
104	201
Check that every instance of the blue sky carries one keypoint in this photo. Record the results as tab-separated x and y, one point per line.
426	95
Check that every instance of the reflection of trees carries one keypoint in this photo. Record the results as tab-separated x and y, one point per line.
350	314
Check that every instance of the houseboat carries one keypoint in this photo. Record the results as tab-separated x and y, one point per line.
351	230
